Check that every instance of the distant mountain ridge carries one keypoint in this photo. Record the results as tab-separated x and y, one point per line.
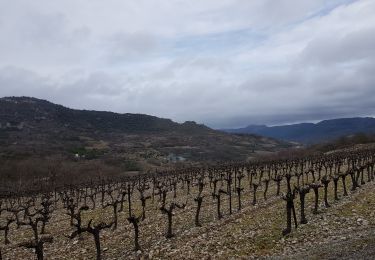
309	133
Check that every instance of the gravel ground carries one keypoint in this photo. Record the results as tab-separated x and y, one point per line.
360	245
346	230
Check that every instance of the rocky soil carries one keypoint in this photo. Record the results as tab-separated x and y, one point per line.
345	230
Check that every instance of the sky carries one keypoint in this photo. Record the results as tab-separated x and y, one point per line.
224	63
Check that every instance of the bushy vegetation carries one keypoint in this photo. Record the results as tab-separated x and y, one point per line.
88	154
131	165
344	142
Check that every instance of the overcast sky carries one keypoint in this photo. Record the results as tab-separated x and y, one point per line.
224	63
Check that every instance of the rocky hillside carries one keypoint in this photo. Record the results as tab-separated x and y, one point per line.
34	126
17	113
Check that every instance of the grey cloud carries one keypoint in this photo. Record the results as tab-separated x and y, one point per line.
96	83
21	82
123	46
350	47
312	63
273	81
41	41
17	81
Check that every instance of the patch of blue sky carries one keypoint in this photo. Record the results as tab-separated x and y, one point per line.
328	7
216	44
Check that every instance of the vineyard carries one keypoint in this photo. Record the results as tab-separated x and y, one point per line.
237	209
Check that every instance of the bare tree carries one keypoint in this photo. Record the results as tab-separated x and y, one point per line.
94	230
169	212
37	243
289	198
199	199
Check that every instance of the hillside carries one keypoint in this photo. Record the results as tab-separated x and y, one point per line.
309	133
34	127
